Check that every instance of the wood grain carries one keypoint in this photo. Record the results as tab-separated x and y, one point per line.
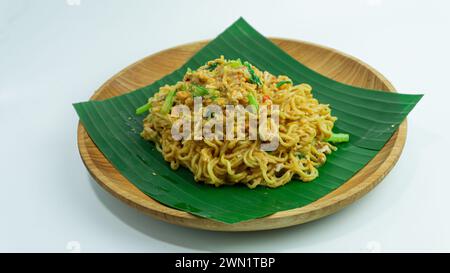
329	62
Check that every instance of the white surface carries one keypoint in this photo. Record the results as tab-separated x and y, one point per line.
54	53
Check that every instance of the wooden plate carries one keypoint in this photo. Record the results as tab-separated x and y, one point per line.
329	62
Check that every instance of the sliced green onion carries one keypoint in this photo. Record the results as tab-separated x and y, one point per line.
199	91
214	94
165	109
253	77
235	63
282	83
183	87
212	66
252	101
337	138
144	108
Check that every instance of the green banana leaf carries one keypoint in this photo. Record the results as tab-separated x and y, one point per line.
369	117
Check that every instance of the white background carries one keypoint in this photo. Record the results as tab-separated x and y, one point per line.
54	53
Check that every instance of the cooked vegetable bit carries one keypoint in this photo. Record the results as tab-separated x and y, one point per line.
282	83
212	66
235	63
199	91
253	77
167	106
337	138
143	109
252	100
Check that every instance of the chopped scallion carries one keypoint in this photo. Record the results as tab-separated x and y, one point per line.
212	66
199	91
167	106
337	138
252	101
253	77
235	63
282	83
144	108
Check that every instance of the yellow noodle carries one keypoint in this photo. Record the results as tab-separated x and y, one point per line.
304	124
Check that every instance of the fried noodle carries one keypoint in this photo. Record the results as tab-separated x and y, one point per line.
304	126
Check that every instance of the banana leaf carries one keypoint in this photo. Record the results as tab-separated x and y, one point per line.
369	117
